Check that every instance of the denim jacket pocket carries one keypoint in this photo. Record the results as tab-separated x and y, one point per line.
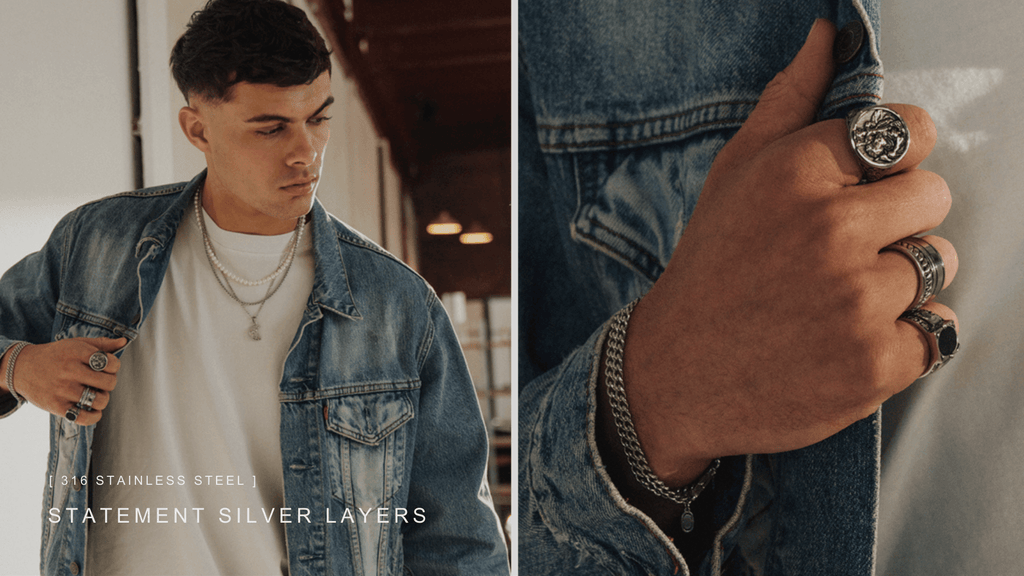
367	445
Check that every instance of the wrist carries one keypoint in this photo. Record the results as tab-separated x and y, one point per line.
7	368
667	421
637	459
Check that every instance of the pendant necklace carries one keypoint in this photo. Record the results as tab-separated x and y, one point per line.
279	274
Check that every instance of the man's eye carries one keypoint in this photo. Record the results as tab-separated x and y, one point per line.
320	120
270	132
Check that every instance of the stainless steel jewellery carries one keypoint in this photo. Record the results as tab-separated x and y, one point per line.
254	328
627	433
931	271
213	256
98	361
879	137
940	333
72	414
88	395
9	376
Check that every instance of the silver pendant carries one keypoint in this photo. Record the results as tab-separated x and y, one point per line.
254	331
686	522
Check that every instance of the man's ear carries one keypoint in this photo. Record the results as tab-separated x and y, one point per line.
192	124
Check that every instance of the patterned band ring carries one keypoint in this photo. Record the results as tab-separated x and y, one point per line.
943	341
931	270
879	137
88	396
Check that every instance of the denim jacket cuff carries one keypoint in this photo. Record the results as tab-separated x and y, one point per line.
565	487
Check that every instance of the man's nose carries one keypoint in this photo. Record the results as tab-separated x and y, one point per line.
303	150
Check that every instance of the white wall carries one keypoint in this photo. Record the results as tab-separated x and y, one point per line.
66	140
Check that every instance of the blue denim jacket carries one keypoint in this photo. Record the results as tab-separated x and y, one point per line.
623	106
377	406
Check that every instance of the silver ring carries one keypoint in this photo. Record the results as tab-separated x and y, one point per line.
88	395
98	361
879	137
943	341
71	414
931	270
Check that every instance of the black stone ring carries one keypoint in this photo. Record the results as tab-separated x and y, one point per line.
98	361
940	333
879	137
71	414
931	270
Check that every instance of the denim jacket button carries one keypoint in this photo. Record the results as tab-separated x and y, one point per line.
73	568
76	486
848	42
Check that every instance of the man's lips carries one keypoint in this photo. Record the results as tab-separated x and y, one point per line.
299	185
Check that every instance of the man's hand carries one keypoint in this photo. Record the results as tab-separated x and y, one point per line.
775	324
53	376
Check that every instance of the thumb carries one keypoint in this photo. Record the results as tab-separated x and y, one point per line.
107	344
791	100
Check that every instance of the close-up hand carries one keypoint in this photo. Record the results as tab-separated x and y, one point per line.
56	376
775	325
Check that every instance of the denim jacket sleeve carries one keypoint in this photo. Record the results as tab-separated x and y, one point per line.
464	535
28	299
622	108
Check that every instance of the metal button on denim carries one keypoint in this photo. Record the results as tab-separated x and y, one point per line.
848	42
74	568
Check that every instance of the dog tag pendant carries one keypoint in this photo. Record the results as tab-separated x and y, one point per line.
254	330
686	522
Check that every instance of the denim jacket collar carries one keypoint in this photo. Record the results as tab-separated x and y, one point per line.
331	282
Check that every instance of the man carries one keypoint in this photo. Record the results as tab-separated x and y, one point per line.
238	382
727	426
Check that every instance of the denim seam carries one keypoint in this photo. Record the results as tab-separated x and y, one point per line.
616	143
353	390
428	337
99	321
718	548
646	120
617	254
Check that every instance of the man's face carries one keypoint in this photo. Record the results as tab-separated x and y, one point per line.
264	151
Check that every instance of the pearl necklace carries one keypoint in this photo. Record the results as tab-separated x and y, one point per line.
282	270
285	263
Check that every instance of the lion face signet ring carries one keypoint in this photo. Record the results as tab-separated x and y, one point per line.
879	137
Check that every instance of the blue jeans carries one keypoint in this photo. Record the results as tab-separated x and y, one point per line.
623	107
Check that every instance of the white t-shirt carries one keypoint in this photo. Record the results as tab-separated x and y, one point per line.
194	420
952	482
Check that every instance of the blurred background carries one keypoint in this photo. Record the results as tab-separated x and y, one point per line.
420	137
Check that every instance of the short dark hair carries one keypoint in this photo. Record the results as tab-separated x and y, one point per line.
255	41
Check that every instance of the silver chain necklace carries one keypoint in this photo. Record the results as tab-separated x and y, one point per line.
219	269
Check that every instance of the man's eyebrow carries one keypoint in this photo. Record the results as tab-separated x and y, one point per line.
276	118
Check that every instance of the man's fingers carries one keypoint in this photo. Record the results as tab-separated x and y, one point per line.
906	204
98	380
916	349
848	170
791	100
112	366
902	278
106	344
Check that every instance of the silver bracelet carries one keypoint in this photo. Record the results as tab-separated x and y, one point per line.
627	433
15	350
